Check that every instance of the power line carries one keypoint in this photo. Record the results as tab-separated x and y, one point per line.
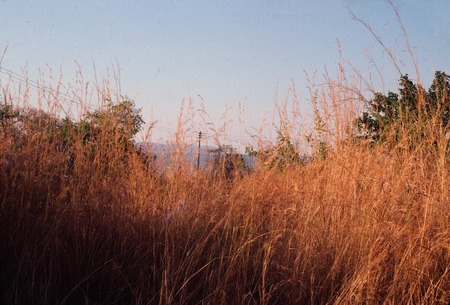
38	86
162	128
69	99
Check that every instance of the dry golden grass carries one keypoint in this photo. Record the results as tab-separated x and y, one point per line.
363	226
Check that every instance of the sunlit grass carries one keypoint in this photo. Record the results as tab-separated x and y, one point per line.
362	226
92	221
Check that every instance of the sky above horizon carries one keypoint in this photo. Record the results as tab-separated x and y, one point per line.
219	53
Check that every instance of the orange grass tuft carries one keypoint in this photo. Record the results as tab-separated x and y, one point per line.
360	224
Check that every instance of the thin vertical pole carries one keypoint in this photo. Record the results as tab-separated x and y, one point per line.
198	153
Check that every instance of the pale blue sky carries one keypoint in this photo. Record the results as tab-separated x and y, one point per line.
226	51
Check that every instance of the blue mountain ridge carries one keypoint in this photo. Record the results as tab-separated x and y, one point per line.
162	153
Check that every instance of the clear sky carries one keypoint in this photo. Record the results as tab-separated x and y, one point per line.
227	52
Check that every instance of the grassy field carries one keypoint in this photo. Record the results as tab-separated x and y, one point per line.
362	225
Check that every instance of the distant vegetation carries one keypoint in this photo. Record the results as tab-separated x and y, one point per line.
413	109
360	218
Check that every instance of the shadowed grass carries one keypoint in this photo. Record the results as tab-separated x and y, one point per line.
362	224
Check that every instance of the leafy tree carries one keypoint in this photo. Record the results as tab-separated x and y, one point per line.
282	154
318	142
8	117
228	163
119	122
439	98
41	127
388	116
52	153
107	135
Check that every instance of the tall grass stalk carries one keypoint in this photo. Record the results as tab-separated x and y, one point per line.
363	225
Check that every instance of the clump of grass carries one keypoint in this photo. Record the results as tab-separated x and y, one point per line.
92	222
363	225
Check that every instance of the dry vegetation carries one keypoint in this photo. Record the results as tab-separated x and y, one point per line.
365	225
85	219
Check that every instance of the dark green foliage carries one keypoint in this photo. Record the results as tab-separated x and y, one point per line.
121	120
116	125
228	163
7	115
318	141
112	127
285	150
107	135
439	98
282	154
8	119
389	116
383	111
51	151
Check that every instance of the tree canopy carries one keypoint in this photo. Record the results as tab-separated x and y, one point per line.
282	154
228	163
411	109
